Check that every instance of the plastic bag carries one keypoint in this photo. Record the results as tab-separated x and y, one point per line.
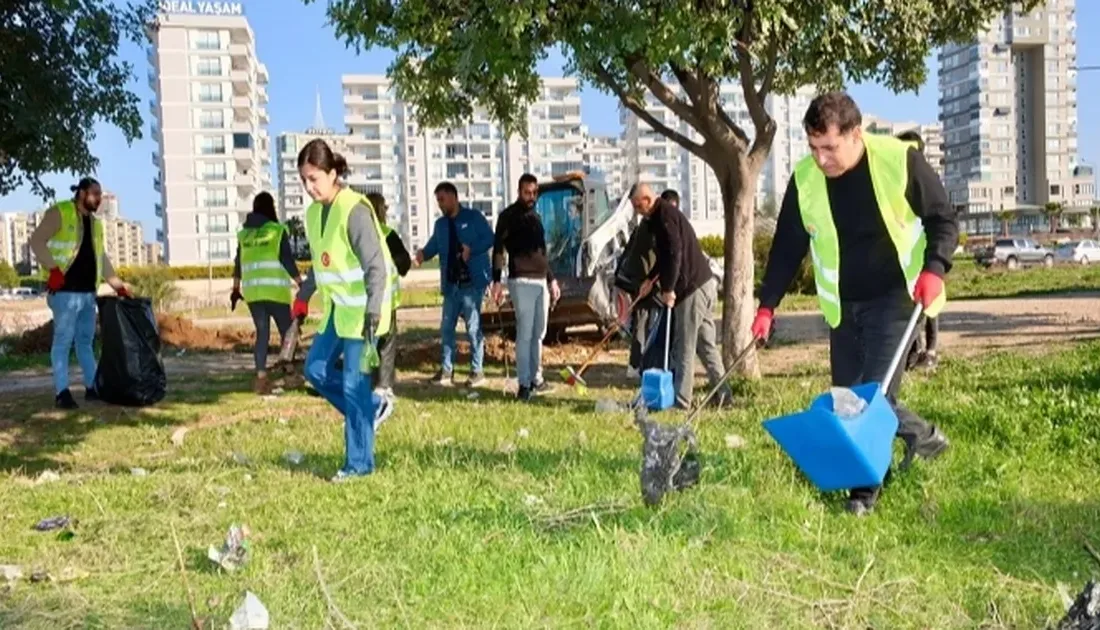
846	403
130	369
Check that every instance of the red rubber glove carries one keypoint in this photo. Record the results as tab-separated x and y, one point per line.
123	292
762	325
300	308
56	281
929	292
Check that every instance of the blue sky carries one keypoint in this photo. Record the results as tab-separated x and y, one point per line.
302	54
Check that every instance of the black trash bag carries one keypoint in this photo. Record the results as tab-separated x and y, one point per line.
1084	614
130	369
670	458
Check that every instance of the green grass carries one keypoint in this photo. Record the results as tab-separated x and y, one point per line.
453	531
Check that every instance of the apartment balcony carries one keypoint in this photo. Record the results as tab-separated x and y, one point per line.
157	185
242	105
156	159
239	50
263	116
242	180
243	126
261	92
154	79
153	108
261	73
158	210
241	79
160	235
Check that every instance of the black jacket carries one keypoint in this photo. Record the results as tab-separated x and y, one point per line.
868	259
681	264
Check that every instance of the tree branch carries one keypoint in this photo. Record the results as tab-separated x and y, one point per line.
772	60
639	110
755	103
640	69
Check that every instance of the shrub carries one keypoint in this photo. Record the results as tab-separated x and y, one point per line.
9	278
713	246
194	272
155	283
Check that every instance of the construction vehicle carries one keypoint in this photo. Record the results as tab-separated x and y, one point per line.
584	234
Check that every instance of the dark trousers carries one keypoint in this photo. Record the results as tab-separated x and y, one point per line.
862	346
654	356
262	313
387	356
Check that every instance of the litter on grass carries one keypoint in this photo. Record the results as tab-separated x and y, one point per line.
1084	613
234	551
250	615
52	523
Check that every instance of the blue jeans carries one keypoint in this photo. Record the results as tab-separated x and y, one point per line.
349	391
532	303
464	303
73	322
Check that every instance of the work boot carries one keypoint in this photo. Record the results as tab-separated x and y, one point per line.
65	400
260	385
861	501
91	395
443	379
927	447
524	394
477	379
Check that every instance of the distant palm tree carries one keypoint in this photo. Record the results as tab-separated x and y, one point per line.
297	232
1052	210
1006	217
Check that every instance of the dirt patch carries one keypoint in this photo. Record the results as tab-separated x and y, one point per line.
176	332
573	352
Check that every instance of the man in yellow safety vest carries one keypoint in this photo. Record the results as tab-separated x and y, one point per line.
876	221
69	242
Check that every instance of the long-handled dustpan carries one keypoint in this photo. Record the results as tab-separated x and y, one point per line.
844	451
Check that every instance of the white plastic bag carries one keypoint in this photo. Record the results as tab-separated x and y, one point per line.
846	403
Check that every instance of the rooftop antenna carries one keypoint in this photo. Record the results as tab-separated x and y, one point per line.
318	127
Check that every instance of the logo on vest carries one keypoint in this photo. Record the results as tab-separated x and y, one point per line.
325	260
811	229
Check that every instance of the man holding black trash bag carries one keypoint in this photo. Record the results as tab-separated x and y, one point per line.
69	242
876	220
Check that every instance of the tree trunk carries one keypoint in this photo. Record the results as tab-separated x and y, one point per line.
737	177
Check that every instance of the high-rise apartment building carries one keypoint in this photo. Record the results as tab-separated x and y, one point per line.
18	227
604	155
391	153
293	199
931	135
154	253
211	119
7	252
1008	104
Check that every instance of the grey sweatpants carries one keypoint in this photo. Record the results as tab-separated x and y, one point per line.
531	300
693	333
262	313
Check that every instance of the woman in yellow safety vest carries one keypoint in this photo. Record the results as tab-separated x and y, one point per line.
264	275
387	346
351	270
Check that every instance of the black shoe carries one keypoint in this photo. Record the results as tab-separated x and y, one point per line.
524	393
928	360
65	400
476	379
90	395
542	387
928	447
444	379
861	501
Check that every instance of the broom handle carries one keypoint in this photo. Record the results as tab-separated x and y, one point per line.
737	361
611	331
668	332
902	349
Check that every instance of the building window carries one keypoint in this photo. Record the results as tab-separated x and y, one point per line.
214	172
210	93
413	210
219	250
1055	190
242	141
208	40
415	230
210	67
216	198
213	145
212	119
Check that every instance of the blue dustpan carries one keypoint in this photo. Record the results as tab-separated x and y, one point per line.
657	390
837	453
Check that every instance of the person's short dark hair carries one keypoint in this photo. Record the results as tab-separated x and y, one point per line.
84	184
912	136
318	154
446	187
832	108
264	204
378	202
671	196
528	178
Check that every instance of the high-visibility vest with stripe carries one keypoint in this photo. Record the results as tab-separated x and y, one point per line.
889	163
65	243
338	271
263	278
395	277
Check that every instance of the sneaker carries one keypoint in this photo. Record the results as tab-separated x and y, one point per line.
928	447
477	379
928	360
382	410
632	373
542	387
443	379
343	476
385	392
65	400
524	393
861	501
91	395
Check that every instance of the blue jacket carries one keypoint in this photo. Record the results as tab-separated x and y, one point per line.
473	231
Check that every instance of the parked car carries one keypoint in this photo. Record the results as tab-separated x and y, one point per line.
1080	252
1014	252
